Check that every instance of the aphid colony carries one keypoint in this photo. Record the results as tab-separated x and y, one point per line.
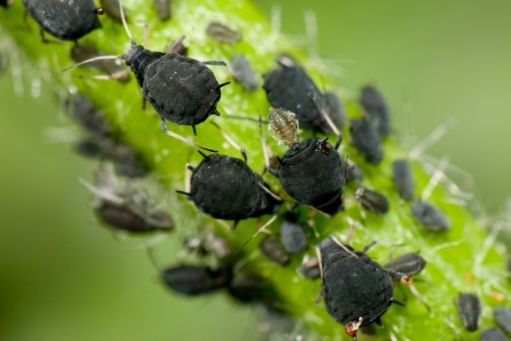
357	290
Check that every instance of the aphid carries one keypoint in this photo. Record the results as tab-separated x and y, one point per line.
493	334
335	110
192	280
65	19
430	216
402	176
111	8
273	250
366	139
469	310
311	171
310	267
225	187
223	33
89	117
502	317
181	89
292	235
372	200
163	8
374	104
243	72
114	68
289	87
357	290
410	264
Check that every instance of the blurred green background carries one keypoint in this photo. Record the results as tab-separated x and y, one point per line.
64	278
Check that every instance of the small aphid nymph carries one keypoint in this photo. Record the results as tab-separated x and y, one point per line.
284	126
493	334
372	200
273	250
374	104
430	216
222	33
193	280
469	310
410	264
502	317
402	176
163	8
292	235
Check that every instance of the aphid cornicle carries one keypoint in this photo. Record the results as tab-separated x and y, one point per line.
311	171
410	264
195	280
493	334
374	104
469	310
366	139
430	216
502	317
402	176
225	187
65	19
357	291
289	87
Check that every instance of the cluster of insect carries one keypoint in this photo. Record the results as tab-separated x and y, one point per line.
356	290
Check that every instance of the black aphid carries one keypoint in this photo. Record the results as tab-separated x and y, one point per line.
493	334
335	109
311	171
357	290
192	280
243	72
402	176
430	216
223	33
114	69
163	8
469	311
289	87
366	139
292	235
372	200
410	264
111	8
273	250
310	267
225	187
181	89
374	104
502	317
65	19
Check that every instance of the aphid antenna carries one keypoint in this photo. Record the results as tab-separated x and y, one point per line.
237	117
435	179
125	23
182	138
320	262
369	246
114	76
328	121
92	60
488	243
231	141
266	150
260	230
419	296
102	193
341	245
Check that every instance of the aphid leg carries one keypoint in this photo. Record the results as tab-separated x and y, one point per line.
214	62
183	192
221	85
45	40
182	138
231	141
188	174
194	130
261	229
328	120
341	245
369	246
234	224
144	103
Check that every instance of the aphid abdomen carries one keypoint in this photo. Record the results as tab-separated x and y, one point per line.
194	280
181	89
67	19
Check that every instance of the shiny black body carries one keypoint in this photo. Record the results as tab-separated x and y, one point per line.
130	218
192	280
354	286
469	310
372	200
366	139
410	264
502	317
312	171
430	216
374	105
493	334
273	250
181	89
225	187
290	88
64	19
403	179
292	235
163	8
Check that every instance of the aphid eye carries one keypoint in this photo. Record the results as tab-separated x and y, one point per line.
324	147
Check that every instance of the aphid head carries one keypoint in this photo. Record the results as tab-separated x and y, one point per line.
132	53
324	146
